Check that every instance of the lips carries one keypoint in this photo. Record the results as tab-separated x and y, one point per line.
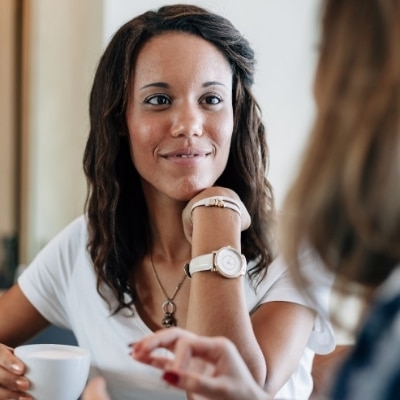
187	152
187	155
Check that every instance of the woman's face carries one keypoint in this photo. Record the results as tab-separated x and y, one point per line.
179	115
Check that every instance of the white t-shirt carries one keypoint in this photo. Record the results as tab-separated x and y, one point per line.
61	285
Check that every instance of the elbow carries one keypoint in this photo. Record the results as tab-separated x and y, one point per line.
259	372
273	384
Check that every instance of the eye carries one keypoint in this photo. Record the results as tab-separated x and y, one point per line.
157	100
212	100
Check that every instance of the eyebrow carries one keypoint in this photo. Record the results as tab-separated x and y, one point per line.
165	85
155	84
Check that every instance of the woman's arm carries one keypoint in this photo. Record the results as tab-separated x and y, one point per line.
96	389
217	305
282	330
19	319
273	340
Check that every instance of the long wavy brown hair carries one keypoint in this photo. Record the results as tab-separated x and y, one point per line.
345	201
115	206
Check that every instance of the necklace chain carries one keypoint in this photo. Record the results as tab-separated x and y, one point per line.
169	306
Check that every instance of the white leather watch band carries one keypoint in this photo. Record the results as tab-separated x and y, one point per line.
203	263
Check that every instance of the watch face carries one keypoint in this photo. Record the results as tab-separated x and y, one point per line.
229	263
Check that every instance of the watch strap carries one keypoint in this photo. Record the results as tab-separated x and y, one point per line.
204	262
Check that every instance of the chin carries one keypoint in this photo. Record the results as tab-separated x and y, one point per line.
189	192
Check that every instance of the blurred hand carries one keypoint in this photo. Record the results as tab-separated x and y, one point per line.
12	381
209	366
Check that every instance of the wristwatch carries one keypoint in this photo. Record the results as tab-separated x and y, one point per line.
227	262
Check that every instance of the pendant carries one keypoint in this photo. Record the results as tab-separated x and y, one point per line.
169	319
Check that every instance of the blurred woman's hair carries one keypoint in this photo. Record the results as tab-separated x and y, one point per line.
345	202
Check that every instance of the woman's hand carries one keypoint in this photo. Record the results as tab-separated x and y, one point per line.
12	382
208	366
213	191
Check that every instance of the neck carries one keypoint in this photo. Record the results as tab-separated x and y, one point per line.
167	236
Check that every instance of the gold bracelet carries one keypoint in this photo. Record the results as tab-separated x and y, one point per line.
218	201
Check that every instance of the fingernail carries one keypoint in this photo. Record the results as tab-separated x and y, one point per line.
23	384
171	377
16	367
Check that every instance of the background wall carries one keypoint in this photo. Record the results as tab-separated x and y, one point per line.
63	43
9	140
7	117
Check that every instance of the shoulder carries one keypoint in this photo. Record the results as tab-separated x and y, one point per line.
76	228
65	247
74	234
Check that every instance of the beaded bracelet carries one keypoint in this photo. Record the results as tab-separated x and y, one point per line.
218	201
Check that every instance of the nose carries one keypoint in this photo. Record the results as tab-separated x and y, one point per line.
187	121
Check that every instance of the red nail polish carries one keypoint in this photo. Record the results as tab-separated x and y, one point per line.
171	377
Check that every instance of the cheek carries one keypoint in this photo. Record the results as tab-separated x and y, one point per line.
133	149
140	144
225	132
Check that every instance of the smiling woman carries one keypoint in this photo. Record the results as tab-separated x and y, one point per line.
166	140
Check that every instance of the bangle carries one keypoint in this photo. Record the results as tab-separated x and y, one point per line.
218	201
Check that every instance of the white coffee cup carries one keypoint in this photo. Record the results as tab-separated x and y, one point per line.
56	372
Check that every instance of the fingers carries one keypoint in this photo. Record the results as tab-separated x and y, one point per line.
10	395
208	349
164	338
184	345
12	381
210	387
9	362
143	350
209	366
224	387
